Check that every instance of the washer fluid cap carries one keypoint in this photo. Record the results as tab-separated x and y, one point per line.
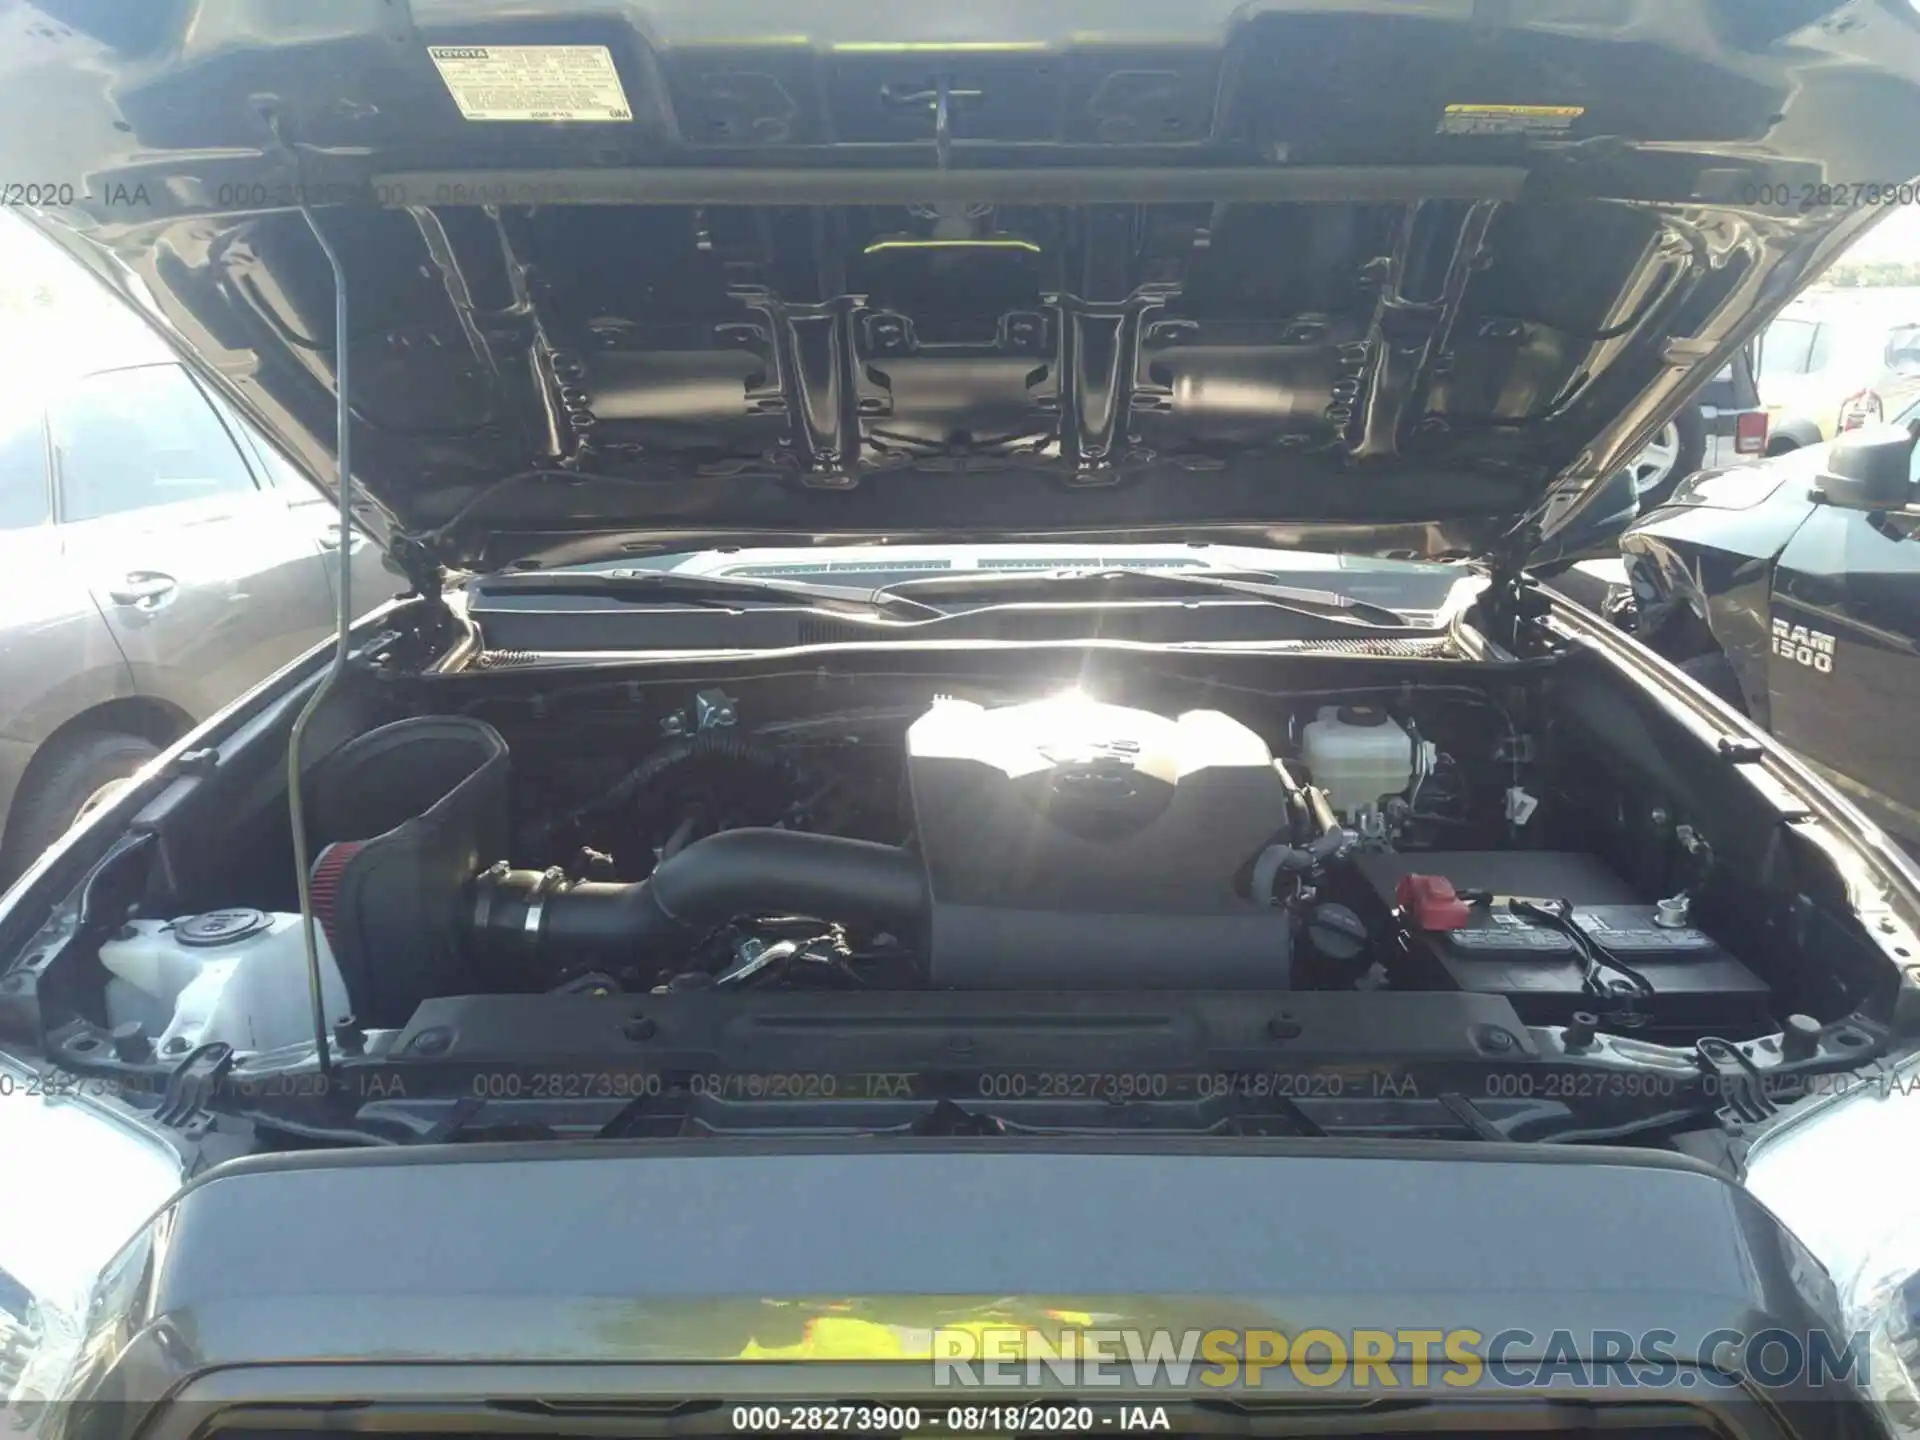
220	927
1367	715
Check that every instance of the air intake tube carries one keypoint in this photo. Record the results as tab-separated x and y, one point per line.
541	918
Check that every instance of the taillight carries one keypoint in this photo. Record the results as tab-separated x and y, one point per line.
1750	433
1863	407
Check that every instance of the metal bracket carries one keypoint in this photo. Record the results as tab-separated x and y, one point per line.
1515	749
816	353
1099	363
192	1083
818	367
1408	339
1512	598
939	99
195	762
1738	1080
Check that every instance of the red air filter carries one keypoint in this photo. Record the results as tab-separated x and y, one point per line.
323	884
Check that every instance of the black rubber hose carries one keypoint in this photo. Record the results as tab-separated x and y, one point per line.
1312	801
725	747
712	881
1330	840
764	872
719	745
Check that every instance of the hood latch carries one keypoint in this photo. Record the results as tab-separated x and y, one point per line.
940	99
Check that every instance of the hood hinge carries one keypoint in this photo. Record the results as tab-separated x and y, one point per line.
1512	600
1512	597
418	563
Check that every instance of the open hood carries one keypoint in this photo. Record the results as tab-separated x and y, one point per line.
1406	276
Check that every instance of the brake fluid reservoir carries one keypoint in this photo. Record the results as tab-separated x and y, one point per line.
234	976
1358	754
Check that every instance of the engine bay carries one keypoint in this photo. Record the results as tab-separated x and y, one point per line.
986	842
1068	843
1160	879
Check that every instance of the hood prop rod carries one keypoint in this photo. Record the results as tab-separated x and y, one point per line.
343	622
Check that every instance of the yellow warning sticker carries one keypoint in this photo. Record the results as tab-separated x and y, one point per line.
1510	119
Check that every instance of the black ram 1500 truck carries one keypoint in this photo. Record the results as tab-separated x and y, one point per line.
1793	592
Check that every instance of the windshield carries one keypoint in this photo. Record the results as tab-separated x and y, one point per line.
1903	350
1788	349
1845	346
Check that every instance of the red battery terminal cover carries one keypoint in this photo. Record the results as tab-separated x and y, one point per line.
1430	903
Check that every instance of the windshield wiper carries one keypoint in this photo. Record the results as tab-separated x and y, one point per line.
956	595
715	592
1128	584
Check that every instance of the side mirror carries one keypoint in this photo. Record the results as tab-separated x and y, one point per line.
1869	469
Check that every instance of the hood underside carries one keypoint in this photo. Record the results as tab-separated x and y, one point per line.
1402	277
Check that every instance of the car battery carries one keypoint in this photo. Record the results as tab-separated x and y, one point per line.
1490	948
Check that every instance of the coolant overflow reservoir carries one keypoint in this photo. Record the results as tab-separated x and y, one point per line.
235	976
1358	754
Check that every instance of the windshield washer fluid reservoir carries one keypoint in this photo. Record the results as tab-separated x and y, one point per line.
1359	753
238	977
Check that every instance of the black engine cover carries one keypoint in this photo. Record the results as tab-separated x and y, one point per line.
1071	843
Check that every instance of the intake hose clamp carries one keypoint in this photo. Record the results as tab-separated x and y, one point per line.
500	889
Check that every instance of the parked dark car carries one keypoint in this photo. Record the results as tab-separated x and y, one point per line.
879	820
159	559
1725	424
1794	594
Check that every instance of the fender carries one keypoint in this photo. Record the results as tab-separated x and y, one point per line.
1702	574
1800	430
1878	871
1689	593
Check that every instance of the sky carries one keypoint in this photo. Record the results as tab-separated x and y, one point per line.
87	321
1897	237
28	261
